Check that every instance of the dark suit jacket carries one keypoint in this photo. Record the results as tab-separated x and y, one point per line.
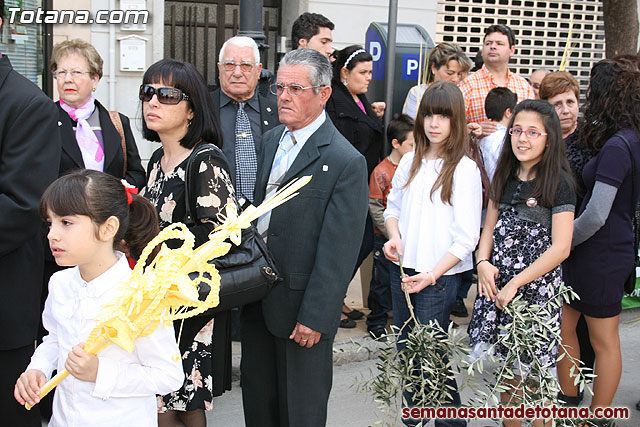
314	237
113	157
29	153
268	120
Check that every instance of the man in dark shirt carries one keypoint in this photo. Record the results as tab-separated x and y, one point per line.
244	114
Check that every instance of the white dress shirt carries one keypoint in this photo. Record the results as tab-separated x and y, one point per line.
490	147
127	383
430	228
301	136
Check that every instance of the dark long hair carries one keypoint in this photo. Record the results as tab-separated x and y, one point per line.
552	169
99	196
184	76
341	58
441	98
613	102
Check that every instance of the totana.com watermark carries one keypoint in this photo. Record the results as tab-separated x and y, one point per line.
40	16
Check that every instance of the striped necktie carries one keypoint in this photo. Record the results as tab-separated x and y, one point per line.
246	159
278	171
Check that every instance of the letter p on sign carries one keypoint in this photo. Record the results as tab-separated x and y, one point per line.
412	65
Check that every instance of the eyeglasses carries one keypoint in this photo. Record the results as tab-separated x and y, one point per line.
166	95
293	89
244	66
75	74
531	133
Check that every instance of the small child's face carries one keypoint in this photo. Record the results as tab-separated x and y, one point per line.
72	239
530	144
405	146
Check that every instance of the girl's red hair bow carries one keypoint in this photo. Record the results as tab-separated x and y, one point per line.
129	189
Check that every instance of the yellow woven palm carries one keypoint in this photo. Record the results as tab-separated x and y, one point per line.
162	291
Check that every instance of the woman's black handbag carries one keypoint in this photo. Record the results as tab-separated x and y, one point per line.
247	271
630	283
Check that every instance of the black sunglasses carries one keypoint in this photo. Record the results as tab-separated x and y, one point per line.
166	95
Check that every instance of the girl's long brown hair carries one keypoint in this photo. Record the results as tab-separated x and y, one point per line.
552	169
441	98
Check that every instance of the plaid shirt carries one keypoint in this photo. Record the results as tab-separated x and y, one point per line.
476	87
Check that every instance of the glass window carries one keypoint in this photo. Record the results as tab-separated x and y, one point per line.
22	43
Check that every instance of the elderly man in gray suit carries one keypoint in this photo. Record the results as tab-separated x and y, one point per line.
287	338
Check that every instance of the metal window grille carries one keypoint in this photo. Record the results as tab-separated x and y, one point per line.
541	28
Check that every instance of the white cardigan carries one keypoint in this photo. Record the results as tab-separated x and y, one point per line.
430	228
127	383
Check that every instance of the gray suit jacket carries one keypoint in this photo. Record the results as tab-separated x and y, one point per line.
315	237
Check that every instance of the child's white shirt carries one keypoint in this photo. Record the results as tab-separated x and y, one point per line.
430	228
490	147
127	383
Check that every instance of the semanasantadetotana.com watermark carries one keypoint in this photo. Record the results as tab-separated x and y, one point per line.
40	16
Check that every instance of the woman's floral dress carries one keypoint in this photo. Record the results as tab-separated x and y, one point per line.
521	235
213	191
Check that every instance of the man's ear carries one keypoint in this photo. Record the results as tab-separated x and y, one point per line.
302	43
325	93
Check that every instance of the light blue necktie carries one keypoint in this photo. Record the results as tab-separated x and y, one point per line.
278	171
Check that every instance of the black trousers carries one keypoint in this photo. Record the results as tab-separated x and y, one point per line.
13	363
283	384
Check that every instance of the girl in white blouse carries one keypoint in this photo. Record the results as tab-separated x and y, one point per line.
433	214
88	215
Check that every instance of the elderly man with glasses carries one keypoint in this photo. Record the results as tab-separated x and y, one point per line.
243	112
287	339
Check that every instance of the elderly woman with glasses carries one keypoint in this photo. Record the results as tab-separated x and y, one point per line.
92	137
177	112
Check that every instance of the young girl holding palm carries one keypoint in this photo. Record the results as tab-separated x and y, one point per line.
433	214
527	232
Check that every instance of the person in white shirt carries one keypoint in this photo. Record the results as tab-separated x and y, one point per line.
88	216
498	106
433	216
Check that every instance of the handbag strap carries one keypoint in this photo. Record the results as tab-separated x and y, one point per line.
198	151
117	123
634	215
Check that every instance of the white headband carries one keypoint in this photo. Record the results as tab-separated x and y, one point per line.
359	51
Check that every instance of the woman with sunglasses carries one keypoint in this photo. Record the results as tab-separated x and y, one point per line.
177	112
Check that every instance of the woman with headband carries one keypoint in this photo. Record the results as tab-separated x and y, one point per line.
355	118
